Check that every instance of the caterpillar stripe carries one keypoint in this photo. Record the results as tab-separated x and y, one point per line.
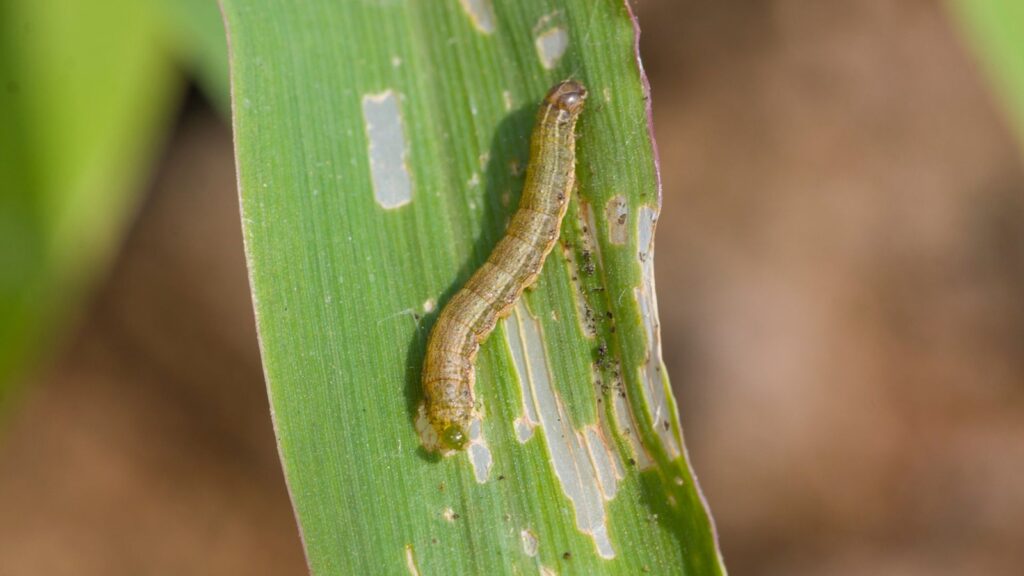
517	259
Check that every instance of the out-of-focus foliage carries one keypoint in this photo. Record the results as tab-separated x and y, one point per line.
87	88
995	28
199	43
86	92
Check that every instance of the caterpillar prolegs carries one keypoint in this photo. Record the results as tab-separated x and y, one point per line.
517	259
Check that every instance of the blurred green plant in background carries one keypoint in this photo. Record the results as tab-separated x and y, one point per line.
994	30
89	90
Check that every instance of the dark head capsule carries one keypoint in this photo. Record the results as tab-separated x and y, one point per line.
568	96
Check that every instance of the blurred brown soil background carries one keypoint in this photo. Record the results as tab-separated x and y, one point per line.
841	270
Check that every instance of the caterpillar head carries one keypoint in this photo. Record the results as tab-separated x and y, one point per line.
568	95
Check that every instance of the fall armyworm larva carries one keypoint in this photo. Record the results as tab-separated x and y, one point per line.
517	259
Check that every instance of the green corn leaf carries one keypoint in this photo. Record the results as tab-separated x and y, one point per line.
380	150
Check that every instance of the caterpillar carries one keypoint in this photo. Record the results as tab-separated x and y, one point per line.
514	264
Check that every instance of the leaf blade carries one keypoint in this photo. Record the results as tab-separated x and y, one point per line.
345	288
